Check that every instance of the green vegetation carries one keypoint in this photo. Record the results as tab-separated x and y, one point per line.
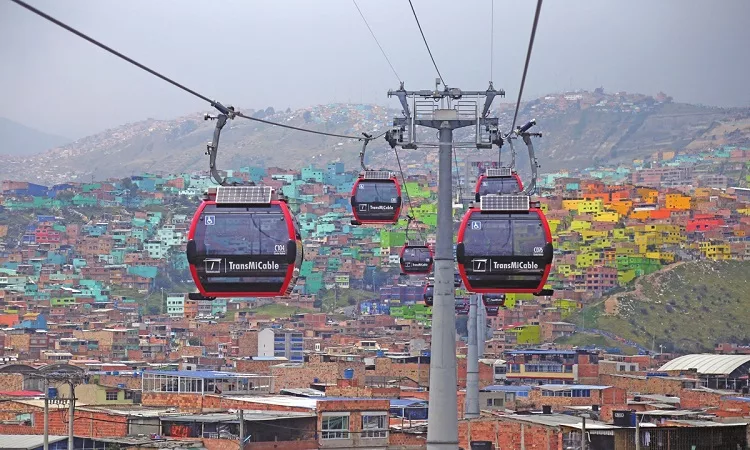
334	299
589	339
688	308
277	310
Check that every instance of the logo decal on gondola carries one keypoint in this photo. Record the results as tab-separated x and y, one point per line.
382	207
212	265
209	220
479	265
538	251
363	207
252	265
279	249
515	265
476	225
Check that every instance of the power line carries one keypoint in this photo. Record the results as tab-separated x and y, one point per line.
153	72
526	65
376	41
426	44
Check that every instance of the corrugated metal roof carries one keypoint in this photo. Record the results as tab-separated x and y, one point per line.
504	388
707	364
27	441
248	415
568	387
205	374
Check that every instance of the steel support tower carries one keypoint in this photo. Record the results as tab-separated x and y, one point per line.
445	110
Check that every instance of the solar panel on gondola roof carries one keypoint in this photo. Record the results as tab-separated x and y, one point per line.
500	172
377	175
236	195
493	202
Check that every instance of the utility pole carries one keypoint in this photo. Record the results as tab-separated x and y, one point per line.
637	432
481	325
71	413
241	413
583	433
445	110
46	414
471	403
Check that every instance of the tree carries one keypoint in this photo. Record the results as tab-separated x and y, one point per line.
307	115
194	341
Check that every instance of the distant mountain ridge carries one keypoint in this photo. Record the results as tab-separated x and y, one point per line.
580	129
19	140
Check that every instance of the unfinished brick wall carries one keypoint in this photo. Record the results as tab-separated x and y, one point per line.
130	382
286	377
650	385
506	434
257	367
247	344
86	423
183	402
11	382
695	399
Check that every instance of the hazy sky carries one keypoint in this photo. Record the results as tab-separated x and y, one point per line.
296	53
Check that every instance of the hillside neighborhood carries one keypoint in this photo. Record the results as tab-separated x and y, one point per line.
94	281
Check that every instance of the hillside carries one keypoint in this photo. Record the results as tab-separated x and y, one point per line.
20	140
579	131
689	308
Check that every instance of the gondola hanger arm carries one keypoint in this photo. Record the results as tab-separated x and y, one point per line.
212	149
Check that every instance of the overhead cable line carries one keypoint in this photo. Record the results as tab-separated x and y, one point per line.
376	41
526	64
426	44
153	72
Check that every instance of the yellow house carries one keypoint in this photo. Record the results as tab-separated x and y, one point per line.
621	207
578	225
715	251
587	259
607	216
677	201
642	214
571	205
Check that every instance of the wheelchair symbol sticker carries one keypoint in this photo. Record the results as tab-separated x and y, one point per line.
476	225
210	220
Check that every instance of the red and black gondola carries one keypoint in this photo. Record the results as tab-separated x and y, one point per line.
376	198
493	303
504	246
462	306
429	293
416	258
502	180
244	243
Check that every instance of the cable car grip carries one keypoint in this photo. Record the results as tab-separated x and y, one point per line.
212	149
367	139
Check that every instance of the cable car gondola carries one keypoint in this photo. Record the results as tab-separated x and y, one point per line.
376	198
493	303
498	181
428	294
462	306
244	243
415	259
504	246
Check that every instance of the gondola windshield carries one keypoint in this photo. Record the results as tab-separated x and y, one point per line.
497	185
376	192
505	251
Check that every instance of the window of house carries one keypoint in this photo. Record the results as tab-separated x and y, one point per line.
128	395
374	425
111	395
335	427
